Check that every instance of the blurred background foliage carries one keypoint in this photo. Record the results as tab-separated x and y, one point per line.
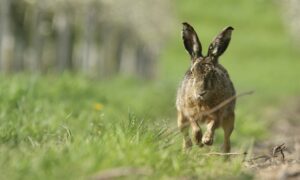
103	38
97	37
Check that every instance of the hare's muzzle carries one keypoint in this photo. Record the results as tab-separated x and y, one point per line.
202	94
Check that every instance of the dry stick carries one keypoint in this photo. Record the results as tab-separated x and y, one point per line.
266	157
222	104
280	149
276	149
224	154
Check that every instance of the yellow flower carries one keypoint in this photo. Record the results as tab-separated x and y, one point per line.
98	106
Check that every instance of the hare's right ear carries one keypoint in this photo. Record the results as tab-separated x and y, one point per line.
191	41
220	43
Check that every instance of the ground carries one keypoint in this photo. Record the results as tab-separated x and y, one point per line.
284	131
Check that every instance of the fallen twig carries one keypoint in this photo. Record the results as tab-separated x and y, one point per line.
224	154
217	107
275	150
266	157
280	149
222	104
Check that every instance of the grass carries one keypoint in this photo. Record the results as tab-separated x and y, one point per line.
71	127
59	132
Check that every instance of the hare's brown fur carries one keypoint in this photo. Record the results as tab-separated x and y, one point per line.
206	84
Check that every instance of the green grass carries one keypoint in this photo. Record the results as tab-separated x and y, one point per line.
50	128
71	127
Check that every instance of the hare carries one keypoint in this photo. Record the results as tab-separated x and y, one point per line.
206	84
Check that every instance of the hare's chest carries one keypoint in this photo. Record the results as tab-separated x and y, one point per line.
195	111
191	107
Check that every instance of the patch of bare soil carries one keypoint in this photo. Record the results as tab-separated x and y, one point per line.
279	156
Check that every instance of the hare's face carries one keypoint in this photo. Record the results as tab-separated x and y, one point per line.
203	73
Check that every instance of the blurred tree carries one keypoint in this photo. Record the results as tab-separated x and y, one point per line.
98	37
6	39
291	14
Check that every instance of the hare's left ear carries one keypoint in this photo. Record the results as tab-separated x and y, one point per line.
220	43
191	41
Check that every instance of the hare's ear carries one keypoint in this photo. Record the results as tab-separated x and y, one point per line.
220	43
191	41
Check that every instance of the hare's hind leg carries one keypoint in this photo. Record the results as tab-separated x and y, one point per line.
227	125
183	125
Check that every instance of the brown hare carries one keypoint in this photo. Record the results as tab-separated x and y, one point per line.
206	84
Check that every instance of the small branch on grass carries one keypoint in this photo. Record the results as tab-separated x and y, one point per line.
121	172
266	157
275	151
222	104
279	148
224	154
225	102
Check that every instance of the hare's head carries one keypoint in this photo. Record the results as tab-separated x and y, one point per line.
203	67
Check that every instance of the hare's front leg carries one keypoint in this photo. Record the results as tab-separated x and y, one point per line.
208	137
183	125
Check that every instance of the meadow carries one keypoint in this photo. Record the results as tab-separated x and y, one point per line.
69	126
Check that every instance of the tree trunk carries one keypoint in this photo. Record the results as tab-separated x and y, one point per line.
36	44
64	40
6	38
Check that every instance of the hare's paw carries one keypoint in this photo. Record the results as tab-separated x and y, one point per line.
208	139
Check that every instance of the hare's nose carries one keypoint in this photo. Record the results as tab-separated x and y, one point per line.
202	93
